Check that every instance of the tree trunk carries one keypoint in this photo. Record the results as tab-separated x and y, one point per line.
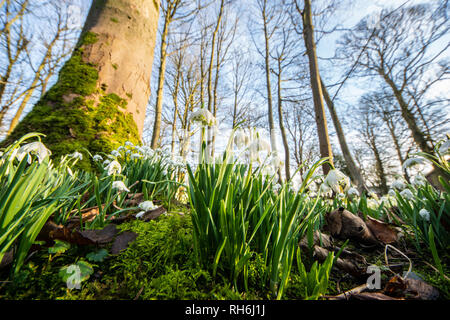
378	164
321	120
398	149
282	129
102	92
159	91
419	137
355	173
273	140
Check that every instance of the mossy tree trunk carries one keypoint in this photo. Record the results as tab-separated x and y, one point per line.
102	92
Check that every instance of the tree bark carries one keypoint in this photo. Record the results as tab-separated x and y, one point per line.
124	52
355	173
161	77
282	128
102	92
268	84
321	120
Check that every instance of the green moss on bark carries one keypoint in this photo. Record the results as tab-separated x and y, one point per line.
70	117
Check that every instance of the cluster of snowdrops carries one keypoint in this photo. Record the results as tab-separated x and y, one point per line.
239	205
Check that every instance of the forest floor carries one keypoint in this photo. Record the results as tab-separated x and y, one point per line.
154	259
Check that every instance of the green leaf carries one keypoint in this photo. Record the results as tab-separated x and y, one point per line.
97	256
81	270
59	247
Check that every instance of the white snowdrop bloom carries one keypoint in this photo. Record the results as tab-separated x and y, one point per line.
353	192
97	157
76	155
268	171
241	138
312	194
398	184
445	147
275	161
425	214
325	190
139	150
128	151
277	187
129	144
407	194
340	196
384	199
412	162
419	180
140	214
337	181
203	117
135	156
37	148
114	168
391	192
115	153
119	185
259	145
147	205
372	204
121	148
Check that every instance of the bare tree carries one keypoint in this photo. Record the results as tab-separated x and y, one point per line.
397	48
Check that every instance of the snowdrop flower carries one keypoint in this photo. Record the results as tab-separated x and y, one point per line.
259	145
241	139
268	171
36	148
419	180
325	190
340	196
203	117
372	204
398	184
257	148
425	214
147	206
275	161
97	157
445	147
114	168
135	156
139	149
115	153
120	149
119	185
140	214
412	162
76	155
129	144
407	194
391	193
106	162
337	181
277	187
353	192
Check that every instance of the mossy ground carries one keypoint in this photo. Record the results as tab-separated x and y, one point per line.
160	264
77	115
